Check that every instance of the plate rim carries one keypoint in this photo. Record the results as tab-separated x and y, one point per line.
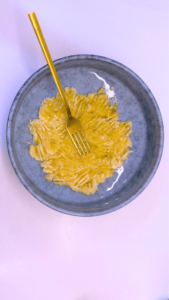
12	112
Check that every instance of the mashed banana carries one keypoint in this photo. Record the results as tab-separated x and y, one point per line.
108	139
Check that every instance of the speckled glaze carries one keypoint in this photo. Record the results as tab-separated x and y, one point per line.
135	103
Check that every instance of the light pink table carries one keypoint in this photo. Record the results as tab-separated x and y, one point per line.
45	255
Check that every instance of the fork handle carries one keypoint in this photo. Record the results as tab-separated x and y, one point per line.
47	55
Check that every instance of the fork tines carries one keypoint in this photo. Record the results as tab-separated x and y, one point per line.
80	143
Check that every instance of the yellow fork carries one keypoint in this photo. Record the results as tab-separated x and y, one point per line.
74	127
75	131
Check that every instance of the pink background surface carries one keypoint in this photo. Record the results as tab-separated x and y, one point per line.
48	255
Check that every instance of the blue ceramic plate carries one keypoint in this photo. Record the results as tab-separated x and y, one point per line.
135	103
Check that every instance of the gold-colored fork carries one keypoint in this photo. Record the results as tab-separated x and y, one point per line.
74	127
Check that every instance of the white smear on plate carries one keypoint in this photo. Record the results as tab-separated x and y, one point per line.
109	91
119	171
